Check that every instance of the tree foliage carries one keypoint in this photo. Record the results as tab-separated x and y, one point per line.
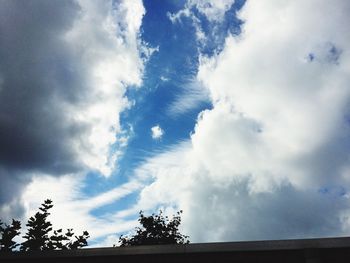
7	234
40	234
60	240
155	230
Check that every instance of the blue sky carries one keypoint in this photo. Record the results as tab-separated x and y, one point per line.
169	75
234	111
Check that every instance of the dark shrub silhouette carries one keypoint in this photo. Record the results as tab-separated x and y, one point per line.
156	230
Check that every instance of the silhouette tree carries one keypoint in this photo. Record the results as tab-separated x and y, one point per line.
7	234
37	237
156	230
39	229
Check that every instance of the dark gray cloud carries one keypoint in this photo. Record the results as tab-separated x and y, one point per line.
36	77
61	87
282	214
11	186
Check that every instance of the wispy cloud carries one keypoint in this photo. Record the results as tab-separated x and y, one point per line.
213	10
192	95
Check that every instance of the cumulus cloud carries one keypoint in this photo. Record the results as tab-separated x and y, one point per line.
271	158
157	132
64	69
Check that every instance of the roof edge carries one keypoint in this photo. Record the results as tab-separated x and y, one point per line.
266	245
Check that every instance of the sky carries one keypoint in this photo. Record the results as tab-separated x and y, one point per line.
236	112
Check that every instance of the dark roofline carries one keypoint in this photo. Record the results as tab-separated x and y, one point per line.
246	246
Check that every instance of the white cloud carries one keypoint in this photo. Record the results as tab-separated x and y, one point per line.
164	79
276	136
107	45
157	132
300	106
